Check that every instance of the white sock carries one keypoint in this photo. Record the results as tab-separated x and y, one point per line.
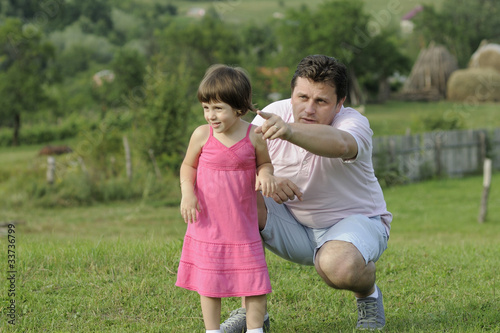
256	330
213	331
374	295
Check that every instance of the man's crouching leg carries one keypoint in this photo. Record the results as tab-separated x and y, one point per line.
342	266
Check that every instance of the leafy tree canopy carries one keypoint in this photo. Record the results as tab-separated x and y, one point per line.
23	67
343	30
461	25
57	14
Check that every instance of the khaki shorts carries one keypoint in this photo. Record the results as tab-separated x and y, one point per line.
286	237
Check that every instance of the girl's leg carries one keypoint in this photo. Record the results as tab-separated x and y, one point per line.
256	309
211	307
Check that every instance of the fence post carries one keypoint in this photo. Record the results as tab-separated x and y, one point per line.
486	190
51	169
392	151
482	146
438	155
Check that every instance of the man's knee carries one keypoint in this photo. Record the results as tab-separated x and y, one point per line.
339	264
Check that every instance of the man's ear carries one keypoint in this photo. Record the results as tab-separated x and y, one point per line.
341	102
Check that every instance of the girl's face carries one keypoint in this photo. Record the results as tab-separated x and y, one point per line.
220	116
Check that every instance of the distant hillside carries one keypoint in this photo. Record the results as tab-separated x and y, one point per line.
262	10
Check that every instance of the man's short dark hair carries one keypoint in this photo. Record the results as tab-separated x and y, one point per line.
321	68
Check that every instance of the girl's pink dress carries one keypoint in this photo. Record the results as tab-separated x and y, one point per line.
222	254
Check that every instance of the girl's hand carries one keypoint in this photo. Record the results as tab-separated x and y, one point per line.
189	209
267	184
284	190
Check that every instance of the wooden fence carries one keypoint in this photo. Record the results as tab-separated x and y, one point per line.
442	153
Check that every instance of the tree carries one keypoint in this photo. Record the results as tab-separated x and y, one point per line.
460	25
50	15
98	16
21	8
121	82
167	116
200	43
23	68
259	43
129	67
343	30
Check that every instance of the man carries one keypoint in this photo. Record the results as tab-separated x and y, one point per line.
329	210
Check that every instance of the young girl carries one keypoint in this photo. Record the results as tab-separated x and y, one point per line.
225	164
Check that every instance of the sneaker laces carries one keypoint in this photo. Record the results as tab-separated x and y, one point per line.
367	312
235	317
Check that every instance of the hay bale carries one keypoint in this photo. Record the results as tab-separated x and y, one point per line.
486	56
429	75
474	85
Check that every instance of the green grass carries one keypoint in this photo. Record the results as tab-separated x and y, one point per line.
397	117
112	268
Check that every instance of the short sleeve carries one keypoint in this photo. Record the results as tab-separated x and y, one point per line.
354	123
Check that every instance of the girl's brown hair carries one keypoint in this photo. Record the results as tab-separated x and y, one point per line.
229	85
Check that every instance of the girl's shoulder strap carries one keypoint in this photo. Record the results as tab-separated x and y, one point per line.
210	134
248	130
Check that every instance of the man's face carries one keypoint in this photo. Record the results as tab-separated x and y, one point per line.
314	102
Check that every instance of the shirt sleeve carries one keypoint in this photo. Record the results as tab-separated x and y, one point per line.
354	123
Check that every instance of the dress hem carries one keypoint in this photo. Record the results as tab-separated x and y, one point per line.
224	295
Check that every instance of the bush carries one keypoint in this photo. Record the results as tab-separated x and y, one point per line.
46	132
441	122
78	186
71	126
167	115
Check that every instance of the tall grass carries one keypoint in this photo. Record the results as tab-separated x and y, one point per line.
112	268
398	118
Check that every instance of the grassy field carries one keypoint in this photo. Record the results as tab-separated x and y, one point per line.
112	268
398	117
255	10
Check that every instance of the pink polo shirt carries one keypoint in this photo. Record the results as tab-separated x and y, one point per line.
332	189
